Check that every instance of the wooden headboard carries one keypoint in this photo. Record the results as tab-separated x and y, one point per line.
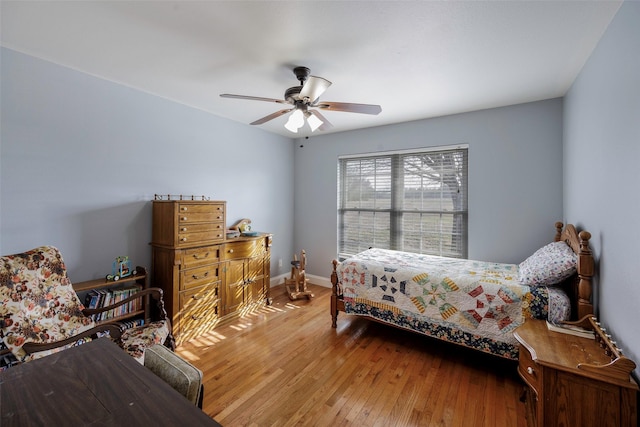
579	287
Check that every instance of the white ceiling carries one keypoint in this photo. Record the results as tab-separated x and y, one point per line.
417	59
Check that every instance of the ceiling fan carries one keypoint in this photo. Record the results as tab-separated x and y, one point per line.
305	97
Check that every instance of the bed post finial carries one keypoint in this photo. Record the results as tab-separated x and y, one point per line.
559	226
585	274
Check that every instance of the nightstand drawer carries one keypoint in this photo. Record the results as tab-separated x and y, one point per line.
529	371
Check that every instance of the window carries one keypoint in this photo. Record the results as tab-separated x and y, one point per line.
413	201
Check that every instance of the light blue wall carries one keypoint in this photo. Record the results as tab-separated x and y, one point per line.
82	157
601	171
515	178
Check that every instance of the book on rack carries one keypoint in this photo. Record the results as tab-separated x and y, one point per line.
571	330
103	297
92	298
132	323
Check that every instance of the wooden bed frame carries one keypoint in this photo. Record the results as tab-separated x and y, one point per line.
578	287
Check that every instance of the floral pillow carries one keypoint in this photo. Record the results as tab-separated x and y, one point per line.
549	265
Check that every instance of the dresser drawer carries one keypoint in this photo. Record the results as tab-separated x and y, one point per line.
190	234
199	276
199	311
198	257
529	371
244	249
196	212
202	295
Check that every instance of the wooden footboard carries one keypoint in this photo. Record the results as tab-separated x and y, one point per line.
337	304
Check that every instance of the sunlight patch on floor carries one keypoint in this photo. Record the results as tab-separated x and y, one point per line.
203	341
189	356
271	309
291	306
211	338
247	319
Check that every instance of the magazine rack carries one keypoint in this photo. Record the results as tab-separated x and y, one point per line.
620	366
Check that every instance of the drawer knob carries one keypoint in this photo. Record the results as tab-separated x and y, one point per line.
529	370
184	208
196	277
184	218
230	251
184	229
184	239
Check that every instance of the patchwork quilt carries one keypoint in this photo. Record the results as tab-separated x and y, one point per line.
473	303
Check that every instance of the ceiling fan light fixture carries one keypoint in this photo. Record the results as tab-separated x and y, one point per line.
303	97
295	122
314	122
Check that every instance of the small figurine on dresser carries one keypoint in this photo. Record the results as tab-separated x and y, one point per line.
241	228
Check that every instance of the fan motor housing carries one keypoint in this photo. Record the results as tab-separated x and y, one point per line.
292	93
301	74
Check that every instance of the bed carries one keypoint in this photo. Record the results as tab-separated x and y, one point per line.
476	304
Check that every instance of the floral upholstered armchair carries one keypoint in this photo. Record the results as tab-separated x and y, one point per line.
40	313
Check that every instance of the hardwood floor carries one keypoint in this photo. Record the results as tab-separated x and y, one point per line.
284	365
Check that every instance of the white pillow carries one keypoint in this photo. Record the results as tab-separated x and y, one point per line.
549	265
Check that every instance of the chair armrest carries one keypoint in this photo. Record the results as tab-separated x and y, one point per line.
175	371
158	314
156	293
113	330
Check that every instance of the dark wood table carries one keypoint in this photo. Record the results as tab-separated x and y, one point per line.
94	384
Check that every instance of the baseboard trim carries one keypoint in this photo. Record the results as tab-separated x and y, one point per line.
316	280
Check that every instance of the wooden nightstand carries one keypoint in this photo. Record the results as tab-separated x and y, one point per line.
575	381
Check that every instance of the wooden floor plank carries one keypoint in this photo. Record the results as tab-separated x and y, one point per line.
284	365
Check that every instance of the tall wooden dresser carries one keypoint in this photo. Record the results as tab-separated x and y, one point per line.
206	278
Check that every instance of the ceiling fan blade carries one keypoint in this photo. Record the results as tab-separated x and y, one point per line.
313	88
271	116
350	108
326	124
254	98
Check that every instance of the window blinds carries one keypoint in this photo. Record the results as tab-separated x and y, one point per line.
414	201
